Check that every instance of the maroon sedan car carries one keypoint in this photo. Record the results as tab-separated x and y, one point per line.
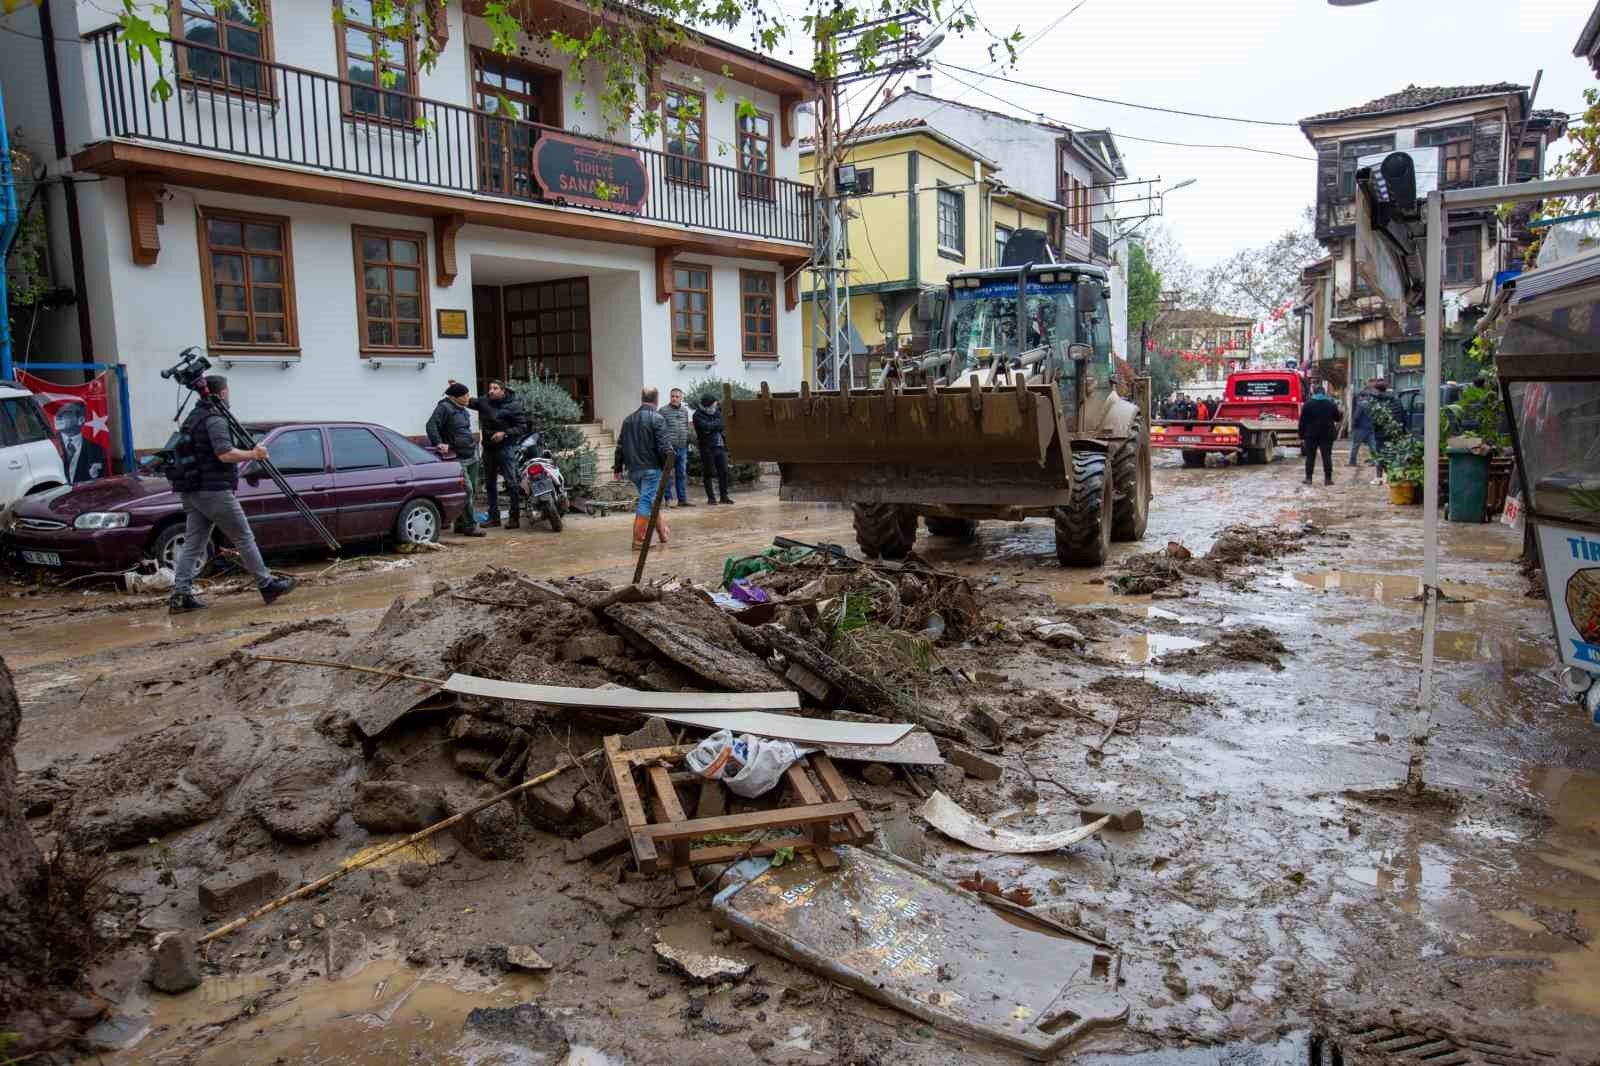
362	480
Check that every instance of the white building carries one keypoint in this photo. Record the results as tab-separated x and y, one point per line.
1049	162
342	243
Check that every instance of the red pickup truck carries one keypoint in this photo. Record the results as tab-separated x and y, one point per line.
1259	411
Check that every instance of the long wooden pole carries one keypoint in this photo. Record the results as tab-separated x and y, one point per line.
347	666
667	469
422	834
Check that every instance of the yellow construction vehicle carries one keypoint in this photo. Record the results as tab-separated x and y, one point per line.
1012	414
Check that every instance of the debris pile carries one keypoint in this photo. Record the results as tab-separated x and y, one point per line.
1161	573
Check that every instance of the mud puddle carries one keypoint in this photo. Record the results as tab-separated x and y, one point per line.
386	1012
1511	649
1137	649
1397	588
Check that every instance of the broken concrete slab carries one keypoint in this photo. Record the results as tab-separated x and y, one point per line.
475	730
809	683
653	734
395	806
989	720
685	630
525	1025
592	648
704	968
974	764
599	844
474	762
877	774
493	833
237	888
899	836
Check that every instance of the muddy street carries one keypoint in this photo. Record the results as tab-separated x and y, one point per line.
1251	702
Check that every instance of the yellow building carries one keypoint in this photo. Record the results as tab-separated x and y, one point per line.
936	207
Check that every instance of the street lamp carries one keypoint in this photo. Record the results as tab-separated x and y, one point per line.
926	48
1184	184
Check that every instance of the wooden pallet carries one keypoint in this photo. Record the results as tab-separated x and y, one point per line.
662	833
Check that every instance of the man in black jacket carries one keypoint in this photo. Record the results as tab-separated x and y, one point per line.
1319	425
713	447
503	424
644	450
450	433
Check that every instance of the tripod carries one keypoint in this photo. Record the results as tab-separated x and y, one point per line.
242	435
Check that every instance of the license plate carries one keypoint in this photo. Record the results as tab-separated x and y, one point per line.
540	485
1191	440
41	558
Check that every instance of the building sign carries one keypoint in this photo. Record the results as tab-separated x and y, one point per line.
81	416
452	323
1572	573
1410	359
590	173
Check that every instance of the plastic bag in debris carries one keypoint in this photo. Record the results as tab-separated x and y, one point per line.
749	766
160	581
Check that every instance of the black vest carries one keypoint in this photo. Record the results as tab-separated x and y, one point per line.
195	466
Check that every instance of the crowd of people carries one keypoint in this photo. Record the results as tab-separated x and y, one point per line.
1180	407
653	440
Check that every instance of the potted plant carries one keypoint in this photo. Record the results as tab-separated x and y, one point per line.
1401	455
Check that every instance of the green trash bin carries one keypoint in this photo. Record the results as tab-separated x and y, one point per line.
1469	485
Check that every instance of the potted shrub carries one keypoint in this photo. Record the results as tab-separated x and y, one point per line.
1402	459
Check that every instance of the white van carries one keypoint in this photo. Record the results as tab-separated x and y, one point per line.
30	458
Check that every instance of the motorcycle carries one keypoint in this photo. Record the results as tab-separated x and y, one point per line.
542	485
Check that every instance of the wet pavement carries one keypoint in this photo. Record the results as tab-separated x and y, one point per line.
1278	889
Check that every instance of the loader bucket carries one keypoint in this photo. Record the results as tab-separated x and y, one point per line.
1004	445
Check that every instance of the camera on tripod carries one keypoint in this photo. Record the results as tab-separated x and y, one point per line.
189	370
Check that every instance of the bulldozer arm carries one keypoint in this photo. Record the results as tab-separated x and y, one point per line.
1001	446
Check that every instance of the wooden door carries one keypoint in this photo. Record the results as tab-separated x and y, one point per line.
487	335
547	336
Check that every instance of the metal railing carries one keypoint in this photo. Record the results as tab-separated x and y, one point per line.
278	114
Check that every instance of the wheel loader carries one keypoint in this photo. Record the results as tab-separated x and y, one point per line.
1012	414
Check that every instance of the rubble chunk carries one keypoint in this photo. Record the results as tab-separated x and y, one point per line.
395	806
525	1025
1123	819
384	918
493	833
653	734
700	967
175	963
809	683
523	957
877	774
592	647
899	837
238	888
990	720
599	844
973	763
481	732
474	762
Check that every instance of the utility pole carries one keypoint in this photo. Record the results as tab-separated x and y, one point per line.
839	56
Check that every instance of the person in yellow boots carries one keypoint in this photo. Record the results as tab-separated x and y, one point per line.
643	449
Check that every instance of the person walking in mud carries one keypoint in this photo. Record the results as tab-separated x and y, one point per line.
713	447
1319	427
644	450
1363	430
677	418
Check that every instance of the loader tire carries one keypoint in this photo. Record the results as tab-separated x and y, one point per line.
1083	528
1194	457
1130	511
955	528
885	529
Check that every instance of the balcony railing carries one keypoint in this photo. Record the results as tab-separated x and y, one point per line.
277	114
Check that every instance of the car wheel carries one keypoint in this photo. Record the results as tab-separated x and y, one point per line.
168	545
418	523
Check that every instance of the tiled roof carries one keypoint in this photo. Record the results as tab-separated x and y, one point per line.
876	130
1413	97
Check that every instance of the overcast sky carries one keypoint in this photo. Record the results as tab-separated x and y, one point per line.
1277	60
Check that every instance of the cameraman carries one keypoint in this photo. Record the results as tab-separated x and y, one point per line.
204	473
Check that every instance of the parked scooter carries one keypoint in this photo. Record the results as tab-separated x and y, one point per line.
542	485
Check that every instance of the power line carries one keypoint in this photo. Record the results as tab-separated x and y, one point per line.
1120	103
1034	39
1130	137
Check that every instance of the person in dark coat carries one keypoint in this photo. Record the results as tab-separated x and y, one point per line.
450	433
503	424
1319	425
644	450
713	446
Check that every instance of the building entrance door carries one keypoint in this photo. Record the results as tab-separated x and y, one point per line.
547	336
486	335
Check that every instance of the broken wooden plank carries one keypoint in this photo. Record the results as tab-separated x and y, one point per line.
739	823
644	850
617	698
838	792
671	810
666	629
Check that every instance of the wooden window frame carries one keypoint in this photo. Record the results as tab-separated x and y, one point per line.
771	277
999	245
347	85
554	101
1370	145
424	283
711	312
958	254
181	46
1458	151
686	168
291	325
547	100
1454	248
752	183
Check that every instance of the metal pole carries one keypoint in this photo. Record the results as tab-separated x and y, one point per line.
1433	261
8	226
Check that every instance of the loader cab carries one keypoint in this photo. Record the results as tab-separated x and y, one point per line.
1011	312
